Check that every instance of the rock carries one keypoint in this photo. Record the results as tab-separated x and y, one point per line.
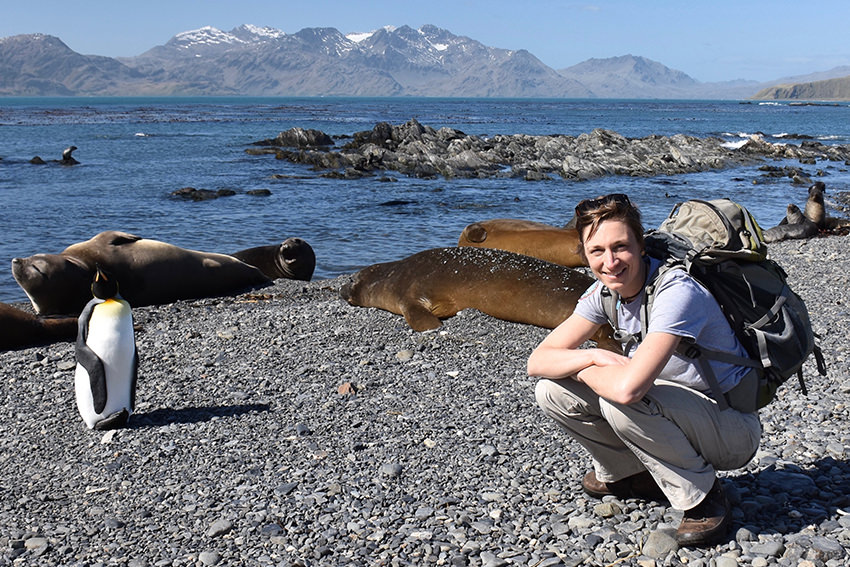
299	138
392	470
219	528
35	543
209	557
660	543
192	194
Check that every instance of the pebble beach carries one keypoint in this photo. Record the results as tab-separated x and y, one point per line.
284	427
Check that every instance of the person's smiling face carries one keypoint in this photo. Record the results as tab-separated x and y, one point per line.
615	257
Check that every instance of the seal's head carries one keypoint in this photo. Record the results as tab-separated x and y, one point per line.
817	190
298	259
55	284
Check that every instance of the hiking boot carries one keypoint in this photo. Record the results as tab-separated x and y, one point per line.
640	485
708	522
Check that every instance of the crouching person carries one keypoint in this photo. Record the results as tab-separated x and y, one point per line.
648	418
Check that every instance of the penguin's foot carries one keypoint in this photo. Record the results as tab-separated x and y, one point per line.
115	421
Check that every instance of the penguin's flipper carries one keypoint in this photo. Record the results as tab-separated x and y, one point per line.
89	360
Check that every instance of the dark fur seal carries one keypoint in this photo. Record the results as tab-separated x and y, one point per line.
795	225
293	259
21	329
544	241
149	272
437	283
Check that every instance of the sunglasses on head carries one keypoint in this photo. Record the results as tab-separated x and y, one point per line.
588	205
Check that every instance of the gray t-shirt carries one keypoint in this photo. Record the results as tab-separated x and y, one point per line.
684	308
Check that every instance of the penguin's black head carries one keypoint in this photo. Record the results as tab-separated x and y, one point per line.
103	286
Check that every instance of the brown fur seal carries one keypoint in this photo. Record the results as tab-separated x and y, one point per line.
544	241
795	225
815	209
293	259
21	329
149	272
437	283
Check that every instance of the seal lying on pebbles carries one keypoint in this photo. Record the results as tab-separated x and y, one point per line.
149	271
794	225
544	241
293	259
437	283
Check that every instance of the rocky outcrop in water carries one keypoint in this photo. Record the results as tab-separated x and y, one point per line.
422	151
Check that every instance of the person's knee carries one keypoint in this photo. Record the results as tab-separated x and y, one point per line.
545	392
616	415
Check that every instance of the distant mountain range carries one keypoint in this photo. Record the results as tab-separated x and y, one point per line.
822	90
403	61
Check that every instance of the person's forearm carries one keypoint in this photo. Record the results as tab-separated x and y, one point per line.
558	363
613	383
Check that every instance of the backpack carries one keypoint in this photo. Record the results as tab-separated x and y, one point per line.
720	244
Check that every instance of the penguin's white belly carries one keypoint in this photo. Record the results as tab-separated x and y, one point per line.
110	336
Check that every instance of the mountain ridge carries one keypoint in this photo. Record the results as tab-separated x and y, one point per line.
837	89
389	61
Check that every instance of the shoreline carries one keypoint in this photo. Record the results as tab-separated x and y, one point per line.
243	450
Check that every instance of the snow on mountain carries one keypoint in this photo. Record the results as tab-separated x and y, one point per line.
357	37
209	36
205	36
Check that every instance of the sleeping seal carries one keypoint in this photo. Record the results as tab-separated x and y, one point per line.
151	272
436	284
544	241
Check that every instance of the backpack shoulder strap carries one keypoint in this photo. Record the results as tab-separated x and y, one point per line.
611	299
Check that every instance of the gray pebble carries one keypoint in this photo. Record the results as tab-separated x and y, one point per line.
209	557
219	528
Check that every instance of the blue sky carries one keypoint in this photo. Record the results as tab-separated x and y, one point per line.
712	40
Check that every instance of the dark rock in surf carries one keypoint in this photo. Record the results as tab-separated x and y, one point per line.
298	138
192	194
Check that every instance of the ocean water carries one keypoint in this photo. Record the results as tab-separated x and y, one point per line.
135	151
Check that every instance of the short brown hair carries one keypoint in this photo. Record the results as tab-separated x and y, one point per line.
614	206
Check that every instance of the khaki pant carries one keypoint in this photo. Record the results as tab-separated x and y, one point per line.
677	434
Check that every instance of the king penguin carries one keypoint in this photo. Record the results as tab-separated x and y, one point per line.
107	362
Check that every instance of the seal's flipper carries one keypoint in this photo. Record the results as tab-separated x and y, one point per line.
420	319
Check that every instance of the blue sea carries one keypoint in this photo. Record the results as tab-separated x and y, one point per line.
134	152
